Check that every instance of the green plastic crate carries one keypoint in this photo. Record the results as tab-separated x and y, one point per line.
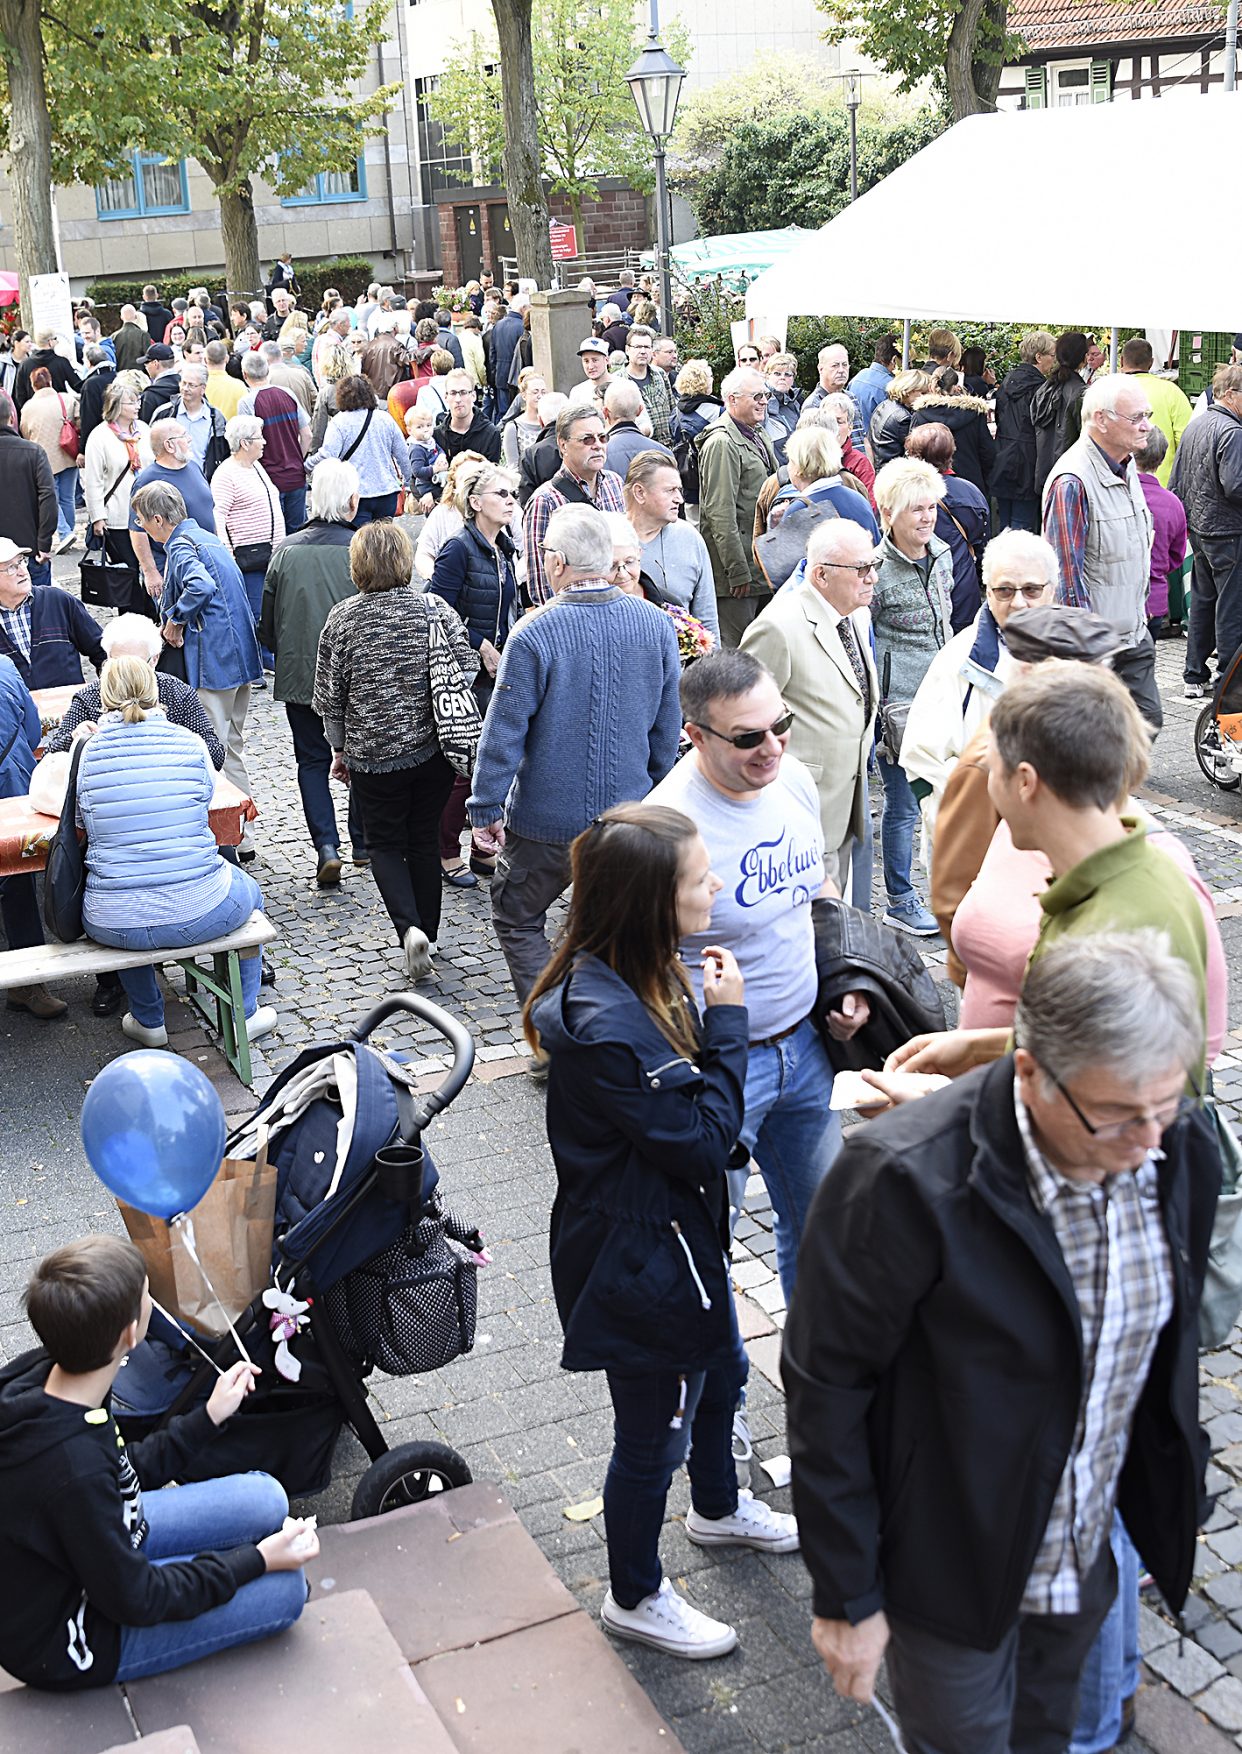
1199	354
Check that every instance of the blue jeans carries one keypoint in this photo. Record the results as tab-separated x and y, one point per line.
314	758
213	1516
142	989
253	582
898	822
40	571
1110	1674
66	481
647	1452
1017	514
791	1133
374	506
293	508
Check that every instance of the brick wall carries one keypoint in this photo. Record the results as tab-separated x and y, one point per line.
617	221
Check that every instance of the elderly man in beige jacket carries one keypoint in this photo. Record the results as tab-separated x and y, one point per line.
815	640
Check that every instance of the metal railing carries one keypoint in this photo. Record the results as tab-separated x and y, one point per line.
602	266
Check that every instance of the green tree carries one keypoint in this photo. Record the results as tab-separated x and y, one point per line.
959	44
791	168
587	124
245	87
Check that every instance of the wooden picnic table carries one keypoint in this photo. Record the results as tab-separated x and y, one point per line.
26	833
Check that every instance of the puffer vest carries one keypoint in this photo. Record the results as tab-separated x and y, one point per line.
1119	537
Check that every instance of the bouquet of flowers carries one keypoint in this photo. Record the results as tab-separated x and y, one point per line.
693	639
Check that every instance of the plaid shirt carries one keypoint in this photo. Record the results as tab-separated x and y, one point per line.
1065	526
609	497
1117	1253
16	623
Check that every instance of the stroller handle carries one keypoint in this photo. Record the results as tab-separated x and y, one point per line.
453	1031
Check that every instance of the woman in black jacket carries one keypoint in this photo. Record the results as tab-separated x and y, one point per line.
1055	402
474	574
645	1103
966	417
890	424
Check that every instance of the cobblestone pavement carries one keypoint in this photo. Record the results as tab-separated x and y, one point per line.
516	1417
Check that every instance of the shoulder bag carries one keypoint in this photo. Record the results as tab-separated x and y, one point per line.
779	551
104	582
257	556
362	433
64	883
70	440
890	721
453	705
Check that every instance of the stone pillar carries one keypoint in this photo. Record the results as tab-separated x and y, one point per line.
559	323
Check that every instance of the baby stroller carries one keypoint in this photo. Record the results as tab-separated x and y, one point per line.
1218	730
361	1239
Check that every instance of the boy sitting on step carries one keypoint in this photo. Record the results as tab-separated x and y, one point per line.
104	1582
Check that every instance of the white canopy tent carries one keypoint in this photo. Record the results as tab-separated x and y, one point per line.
1123	213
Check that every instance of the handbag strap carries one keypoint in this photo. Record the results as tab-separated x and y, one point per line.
362	433
8	748
69	809
124	472
970	548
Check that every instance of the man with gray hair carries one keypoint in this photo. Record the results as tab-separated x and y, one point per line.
584	716
284	370
173	465
623	417
1207	478
203	424
994	1342
286	436
131	340
1097	519
735	460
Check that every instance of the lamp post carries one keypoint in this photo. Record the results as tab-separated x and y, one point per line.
655	80
852	83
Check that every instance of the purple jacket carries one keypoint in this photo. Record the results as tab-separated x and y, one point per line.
1168	549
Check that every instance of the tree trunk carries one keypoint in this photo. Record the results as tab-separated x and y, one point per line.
30	143
987	74
522	160
960	61
242	272
575	213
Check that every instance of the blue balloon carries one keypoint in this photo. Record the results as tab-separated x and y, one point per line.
153	1129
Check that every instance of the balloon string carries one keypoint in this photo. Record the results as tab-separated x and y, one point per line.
185	1225
186	1335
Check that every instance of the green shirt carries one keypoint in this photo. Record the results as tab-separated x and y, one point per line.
1128	887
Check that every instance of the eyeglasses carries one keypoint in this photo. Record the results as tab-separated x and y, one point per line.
1163	1116
864	568
628	563
748	359
751	739
1007	593
13	567
1132	419
594	439
502	492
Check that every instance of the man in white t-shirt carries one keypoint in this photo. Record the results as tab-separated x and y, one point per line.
594	356
758	812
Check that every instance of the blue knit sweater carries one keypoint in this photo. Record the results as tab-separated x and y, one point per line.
585	714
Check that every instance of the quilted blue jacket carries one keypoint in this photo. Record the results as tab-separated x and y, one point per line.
143	793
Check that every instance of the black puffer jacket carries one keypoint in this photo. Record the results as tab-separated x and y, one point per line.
540	463
889	425
641	1137
1051	406
933	1369
1013	474
857	954
967	419
479	582
1207	473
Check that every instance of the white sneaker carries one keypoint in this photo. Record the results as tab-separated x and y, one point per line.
667	1622
743	1446
753	1524
150	1038
63	544
262	1022
417	954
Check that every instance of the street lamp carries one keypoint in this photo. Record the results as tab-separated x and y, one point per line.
852	83
656	79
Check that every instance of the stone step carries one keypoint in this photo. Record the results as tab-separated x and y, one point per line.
450	1572
180	1740
336	1680
63	1723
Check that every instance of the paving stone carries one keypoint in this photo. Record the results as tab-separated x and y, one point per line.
765	1354
1226	1544
61	1723
1185	1666
1220	1637
751	1320
1169	1725
1153	1630
1226	1590
557	1688
1222	1702
180	1740
335	1679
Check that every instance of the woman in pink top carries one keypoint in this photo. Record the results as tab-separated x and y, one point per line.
995	928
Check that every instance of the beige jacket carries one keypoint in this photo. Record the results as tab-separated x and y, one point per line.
42	419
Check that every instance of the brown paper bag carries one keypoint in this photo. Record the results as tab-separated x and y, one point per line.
232	1235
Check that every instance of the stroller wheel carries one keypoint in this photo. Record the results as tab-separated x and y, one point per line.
407	1475
1214	762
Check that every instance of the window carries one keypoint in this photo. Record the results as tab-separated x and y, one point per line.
1070	86
150	185
442	163
350	185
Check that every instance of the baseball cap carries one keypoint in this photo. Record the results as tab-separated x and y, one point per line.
1059	630
9	550
159	351
592	344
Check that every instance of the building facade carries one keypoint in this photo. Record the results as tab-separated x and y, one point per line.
1095	51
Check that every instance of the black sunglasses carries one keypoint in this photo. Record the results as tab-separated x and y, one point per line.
751	739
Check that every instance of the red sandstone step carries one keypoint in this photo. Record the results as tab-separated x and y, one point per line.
62	1723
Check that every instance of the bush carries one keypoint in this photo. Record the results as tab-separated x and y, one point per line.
350	275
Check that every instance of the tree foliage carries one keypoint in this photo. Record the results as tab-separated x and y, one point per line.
961	45
587	123
787	167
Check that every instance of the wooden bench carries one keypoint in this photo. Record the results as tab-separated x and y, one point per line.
219	1001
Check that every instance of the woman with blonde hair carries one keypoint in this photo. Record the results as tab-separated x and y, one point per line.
697	407
521	425
890	423
154	876
445	520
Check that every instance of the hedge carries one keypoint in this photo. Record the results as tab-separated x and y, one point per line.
350	275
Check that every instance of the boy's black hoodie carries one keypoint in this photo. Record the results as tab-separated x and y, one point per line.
71	1534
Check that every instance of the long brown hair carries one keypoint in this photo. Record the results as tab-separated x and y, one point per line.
626	868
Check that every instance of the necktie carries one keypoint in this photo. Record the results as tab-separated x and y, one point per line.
852	652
